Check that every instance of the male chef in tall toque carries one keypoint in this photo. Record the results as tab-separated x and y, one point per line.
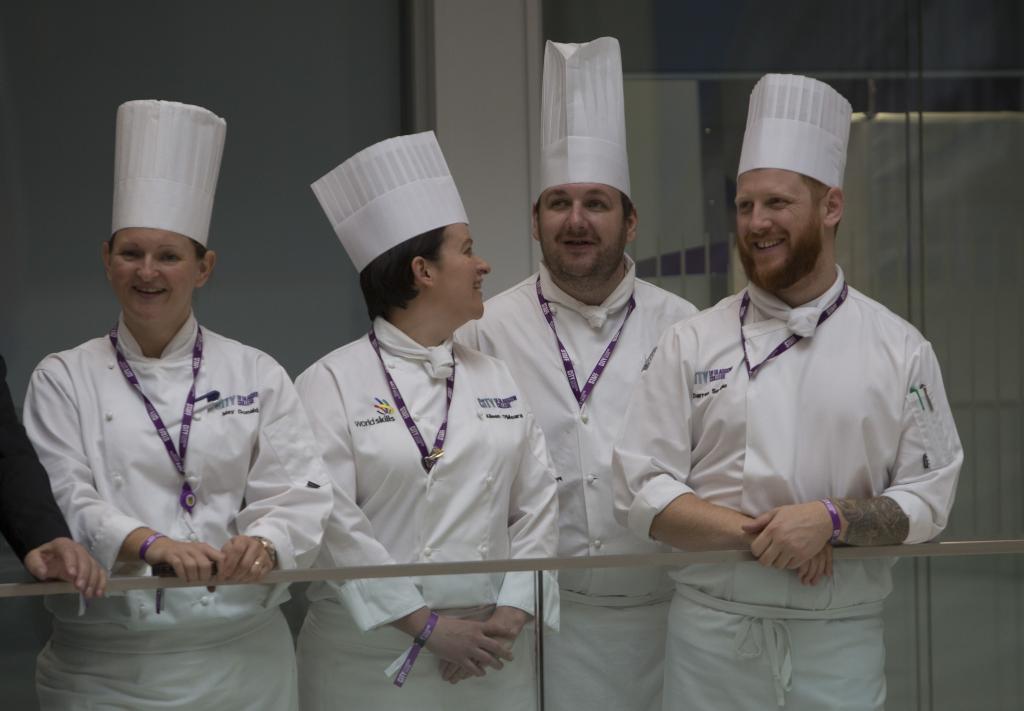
791	417
576	335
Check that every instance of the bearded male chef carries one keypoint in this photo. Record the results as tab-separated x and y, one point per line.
793	416
575	335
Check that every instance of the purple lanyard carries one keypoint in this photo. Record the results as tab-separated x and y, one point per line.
570	371
187	498
427	459
789	342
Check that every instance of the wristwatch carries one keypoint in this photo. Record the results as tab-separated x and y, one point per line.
269	548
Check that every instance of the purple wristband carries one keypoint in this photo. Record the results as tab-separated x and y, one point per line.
837	524
414	650
147	543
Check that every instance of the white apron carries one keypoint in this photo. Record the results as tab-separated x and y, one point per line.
343	668
247	663
605	658
726	655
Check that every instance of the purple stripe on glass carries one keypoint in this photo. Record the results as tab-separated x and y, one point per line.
718	258
672	264
570	370
695	261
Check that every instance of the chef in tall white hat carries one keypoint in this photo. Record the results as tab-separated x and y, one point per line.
575	334
791	417
435	443
168	444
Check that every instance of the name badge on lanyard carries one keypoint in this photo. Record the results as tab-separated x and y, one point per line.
427	458
583	393
789	342
187	497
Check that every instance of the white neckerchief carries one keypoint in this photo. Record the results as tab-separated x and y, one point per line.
801	320
595	315
437	361
180	345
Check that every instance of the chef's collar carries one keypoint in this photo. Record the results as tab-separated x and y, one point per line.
595	315
801	320
438	361
179	346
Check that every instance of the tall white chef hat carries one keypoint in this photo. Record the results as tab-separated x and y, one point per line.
389	193
583	115
166	161
797	123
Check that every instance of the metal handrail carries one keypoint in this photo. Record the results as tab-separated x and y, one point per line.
676	559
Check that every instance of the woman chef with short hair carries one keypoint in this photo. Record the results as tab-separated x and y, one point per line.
438	449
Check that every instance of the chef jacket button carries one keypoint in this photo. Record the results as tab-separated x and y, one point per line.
197	417
584	418
108	416
488	481
482	548
110	366
206	600
390	364
591	478
597	543
192	480
427	552
480	414
118	479
193	537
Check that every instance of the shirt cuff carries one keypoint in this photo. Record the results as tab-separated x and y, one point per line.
105	544
282	544
651	500
379	601
518	591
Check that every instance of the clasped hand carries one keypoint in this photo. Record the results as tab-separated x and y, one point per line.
467	647
794	537
241	560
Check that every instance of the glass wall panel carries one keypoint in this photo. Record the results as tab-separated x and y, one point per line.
929	230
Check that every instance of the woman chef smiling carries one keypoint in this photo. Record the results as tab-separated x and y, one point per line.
435	444
167	443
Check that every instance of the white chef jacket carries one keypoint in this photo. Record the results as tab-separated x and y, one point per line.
491	496
514	329
251	461
834	416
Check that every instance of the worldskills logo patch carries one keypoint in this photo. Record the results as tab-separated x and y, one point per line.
384	411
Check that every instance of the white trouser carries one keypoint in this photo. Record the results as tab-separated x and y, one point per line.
239	664
605	658
341	667
751	657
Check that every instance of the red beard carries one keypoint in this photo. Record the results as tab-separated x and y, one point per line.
805	248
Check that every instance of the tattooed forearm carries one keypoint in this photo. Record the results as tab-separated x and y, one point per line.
873	522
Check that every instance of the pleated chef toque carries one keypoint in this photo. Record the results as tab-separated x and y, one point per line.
166	162
583	116
797	123
389	193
